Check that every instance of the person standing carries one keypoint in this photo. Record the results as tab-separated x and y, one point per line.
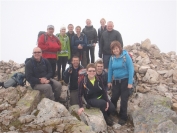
65	53
107	37
79	43
71	78
50	45
101	29
38	72
91	34
122	69
70	34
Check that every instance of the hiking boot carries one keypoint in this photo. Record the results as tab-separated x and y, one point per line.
109	122
121	122
2	84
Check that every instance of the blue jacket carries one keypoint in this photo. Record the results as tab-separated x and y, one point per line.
121	67
79	40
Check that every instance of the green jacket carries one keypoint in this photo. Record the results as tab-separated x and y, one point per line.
65	45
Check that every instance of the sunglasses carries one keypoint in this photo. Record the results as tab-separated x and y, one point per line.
36	52
91	71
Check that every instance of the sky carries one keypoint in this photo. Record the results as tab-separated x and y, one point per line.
136	20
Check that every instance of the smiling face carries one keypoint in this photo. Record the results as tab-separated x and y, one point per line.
110	26
37	53
63	31
116	51
70	28
50	31
99	68
91	72
75	62
78	30
88	22
103	22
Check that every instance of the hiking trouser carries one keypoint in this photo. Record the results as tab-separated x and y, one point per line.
106	60
53	65
90	50
120	89
74	97
51	91
101	104
61	62
82	56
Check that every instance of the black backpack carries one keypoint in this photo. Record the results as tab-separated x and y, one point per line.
41	33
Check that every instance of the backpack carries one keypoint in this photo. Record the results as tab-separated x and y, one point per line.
34	66
17	79
41	33
134	84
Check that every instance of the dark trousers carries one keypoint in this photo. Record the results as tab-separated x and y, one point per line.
90	50
61	62
101	104
106	61
53	65
119	89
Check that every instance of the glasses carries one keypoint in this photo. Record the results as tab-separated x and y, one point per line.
36	52
91	71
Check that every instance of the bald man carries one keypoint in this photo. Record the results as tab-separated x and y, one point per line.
38	72
107	37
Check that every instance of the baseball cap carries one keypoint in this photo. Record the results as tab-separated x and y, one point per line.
50	26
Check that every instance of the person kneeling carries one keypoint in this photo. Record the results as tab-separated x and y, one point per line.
92	88
38	72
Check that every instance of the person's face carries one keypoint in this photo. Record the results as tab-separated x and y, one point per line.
78	30
110	26
63	31
88	22
102	22
91	72
37	53
75	62
116	51
70	28
50	31
99	67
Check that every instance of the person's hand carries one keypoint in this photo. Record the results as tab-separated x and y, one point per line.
94	44
47	81
129	86
80	111
80	46
109	85
42	80
107	106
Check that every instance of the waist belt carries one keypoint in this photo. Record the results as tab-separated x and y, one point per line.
99	97
49	52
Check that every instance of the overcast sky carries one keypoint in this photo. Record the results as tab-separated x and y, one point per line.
135	20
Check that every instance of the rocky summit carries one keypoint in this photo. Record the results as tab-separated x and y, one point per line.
151	109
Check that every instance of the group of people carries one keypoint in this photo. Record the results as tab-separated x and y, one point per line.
115	70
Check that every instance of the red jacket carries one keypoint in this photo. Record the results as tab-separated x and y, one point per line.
50	47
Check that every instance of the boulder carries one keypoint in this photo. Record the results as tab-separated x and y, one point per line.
143	69
146	44
153	113
93	117
28	102
174	107
151	77
175	76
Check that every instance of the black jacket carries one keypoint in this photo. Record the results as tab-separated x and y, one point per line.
104	77
35	70
91	34
91	91
100	32
106	39
72	78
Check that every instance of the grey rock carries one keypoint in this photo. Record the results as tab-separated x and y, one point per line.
143	69
93	117
146	44
151	77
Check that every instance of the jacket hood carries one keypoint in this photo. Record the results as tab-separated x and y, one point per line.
124	52
89	27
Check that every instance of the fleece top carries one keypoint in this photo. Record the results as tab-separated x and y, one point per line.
65	45
121	67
